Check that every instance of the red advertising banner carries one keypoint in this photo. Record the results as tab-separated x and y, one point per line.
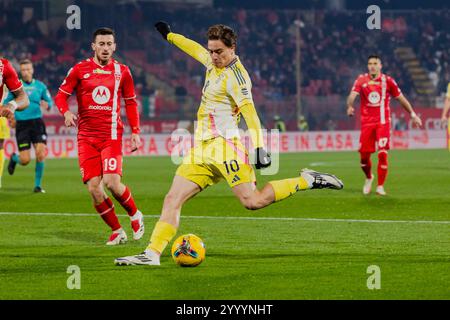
62	146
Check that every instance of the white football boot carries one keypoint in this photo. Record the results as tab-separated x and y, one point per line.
368	186
137	225
117	237
148	257
319	180
380	191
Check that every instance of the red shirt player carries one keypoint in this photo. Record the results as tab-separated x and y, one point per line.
8	77
375	90
100	83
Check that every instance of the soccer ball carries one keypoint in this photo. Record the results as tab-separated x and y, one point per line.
188	250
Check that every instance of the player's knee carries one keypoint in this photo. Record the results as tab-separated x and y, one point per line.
112	185
109	184
95	190
24	160
382	158
365	157
172	200
250	203
40	156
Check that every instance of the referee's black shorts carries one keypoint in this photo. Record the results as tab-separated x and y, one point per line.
30	131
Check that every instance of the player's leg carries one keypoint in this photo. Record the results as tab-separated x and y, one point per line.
274	191
39	140
4	134
241	178
23	138
112	171
23	158
383	143
366	148
104	206
41	150
165	229
123	195
2	160
89	159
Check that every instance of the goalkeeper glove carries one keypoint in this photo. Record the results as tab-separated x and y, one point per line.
163	28
262	159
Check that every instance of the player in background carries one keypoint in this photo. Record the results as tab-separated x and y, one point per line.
30	127
100	82
218	152
446	106
375	90
8	77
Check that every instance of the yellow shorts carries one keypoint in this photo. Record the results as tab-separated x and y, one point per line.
210	161
4	128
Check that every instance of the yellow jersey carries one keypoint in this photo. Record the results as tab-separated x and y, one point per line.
224	91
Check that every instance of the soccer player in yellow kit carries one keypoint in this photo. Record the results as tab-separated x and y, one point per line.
218	152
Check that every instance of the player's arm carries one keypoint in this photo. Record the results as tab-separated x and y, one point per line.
446	105
239	87
46	96
408	107
189	46
131	108
251	118
356	89
20	99
18	102
65	91
350	100
395	91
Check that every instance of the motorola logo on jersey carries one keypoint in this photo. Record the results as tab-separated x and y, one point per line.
374	97
101	95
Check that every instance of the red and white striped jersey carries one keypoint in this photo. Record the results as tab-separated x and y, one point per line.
99	90
375	95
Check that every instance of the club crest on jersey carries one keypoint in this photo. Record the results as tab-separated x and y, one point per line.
374	97
87	75
101	95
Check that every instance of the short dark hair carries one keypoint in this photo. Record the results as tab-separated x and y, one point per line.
223	33
103	31
25	61
374	56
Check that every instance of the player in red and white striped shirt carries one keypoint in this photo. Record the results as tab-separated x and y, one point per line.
100	83
375	90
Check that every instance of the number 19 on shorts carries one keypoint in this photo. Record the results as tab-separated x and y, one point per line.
110	164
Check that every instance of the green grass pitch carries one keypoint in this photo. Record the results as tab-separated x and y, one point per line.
322	250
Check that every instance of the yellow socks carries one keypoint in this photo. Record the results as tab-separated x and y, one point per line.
2	160
287	187
161	236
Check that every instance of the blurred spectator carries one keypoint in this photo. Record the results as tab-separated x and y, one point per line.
279	124
302	124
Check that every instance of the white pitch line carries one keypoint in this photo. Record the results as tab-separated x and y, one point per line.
235	218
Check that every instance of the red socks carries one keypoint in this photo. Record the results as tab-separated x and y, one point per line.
366	164
106	211
382	167
127	202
